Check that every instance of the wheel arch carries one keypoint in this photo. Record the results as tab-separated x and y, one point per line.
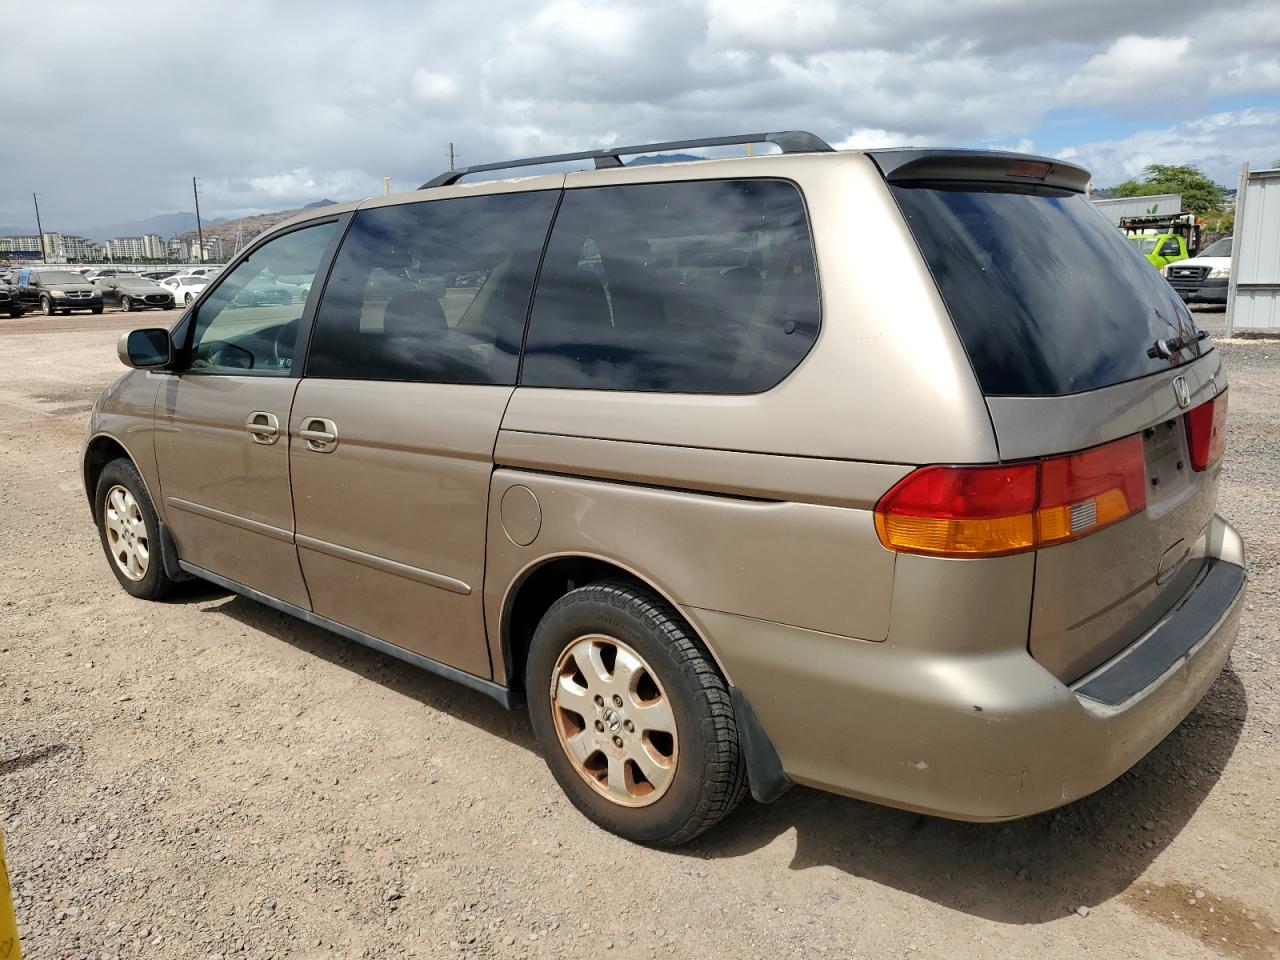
101	449
544	581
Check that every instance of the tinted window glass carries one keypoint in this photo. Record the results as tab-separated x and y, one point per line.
1047	295
250	322
1219	248
435	291
700	287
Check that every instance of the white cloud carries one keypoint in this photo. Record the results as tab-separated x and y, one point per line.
432	87
869	138
1129	69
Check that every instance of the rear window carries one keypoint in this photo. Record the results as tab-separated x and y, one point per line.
699	287
1048	297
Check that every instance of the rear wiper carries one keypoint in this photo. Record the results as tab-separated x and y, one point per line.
1167	348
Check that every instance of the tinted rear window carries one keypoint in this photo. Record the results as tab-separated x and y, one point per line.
1048	297
700	287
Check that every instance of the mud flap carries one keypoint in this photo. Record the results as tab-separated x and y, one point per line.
764	766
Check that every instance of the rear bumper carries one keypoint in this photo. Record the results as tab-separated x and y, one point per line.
979	736
1201	291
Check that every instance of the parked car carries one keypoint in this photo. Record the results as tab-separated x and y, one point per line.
720	519
267	291
185	287
57	291
9	300
133	292
1203	278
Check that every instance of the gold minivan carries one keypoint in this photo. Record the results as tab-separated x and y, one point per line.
892	473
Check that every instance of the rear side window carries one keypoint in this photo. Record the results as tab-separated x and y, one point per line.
699	287
1048	297
432	292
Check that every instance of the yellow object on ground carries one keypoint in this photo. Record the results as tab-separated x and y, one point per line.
9	949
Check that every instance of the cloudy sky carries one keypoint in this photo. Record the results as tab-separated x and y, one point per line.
276	104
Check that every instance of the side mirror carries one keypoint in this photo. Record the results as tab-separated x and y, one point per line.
149	347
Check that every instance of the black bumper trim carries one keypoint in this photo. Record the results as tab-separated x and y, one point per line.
1172	640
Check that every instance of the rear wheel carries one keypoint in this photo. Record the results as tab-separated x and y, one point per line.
130	531
632	716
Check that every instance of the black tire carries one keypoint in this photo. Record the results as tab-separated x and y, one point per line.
126	304
710	776
155	584
187	300
97	309
46	306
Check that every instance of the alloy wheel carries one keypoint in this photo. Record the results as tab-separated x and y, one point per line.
614	720
126	532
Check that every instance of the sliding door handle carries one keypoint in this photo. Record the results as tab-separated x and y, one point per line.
319	434
263	427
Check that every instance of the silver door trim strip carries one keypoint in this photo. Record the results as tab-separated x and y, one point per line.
382	564
244	523
497	691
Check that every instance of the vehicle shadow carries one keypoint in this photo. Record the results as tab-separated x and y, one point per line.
458	701
1026	871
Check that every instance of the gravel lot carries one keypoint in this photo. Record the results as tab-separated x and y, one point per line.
209	778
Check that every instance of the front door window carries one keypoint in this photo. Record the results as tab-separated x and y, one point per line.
250	323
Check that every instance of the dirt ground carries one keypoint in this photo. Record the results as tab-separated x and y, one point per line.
208	778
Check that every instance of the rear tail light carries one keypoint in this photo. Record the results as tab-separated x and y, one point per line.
995	510
1207	432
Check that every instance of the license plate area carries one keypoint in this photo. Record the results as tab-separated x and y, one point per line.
1169	474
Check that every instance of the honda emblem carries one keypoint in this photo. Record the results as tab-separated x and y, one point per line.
1182	392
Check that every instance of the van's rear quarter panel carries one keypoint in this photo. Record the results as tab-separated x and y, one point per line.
811	565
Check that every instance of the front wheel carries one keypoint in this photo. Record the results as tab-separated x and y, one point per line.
130	531
126	304
46	306
97	309
632	716
187	300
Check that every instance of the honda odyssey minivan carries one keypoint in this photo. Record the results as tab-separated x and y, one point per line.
810	467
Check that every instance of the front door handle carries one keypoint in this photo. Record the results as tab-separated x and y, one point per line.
320	434
263	427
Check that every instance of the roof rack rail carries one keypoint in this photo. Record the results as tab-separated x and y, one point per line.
789	141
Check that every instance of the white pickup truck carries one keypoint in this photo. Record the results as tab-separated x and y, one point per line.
1203	278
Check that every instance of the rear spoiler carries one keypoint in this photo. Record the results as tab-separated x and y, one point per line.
981	165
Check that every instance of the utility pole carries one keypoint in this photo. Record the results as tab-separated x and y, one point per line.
451	166
39	229
199	229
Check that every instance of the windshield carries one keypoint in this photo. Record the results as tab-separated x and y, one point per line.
135	282
1144	244
193	281
1219	248
60	276
1046	294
